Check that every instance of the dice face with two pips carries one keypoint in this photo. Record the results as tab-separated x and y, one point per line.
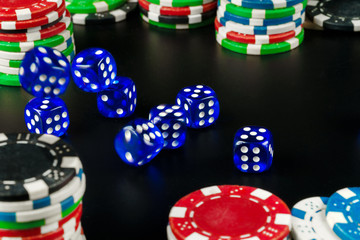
47	116
200	104
253	149
138	142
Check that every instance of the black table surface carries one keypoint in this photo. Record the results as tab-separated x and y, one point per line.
309	98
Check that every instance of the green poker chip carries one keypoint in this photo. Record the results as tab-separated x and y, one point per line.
177	26
262	13
180	3
260	49
13	80
92	6
35	224
48	42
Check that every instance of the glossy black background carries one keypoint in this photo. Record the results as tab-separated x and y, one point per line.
309	98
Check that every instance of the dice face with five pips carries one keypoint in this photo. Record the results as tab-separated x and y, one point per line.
200	104
45	72
253	149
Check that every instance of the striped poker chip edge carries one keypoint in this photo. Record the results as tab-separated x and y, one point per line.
64	161
343	213
308	220
176	26
321	15
75	6
193	215
117	15
265	4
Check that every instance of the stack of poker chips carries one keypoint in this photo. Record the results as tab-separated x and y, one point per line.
178	14
260	27
229	212
332	218
89	12
41	188
28	23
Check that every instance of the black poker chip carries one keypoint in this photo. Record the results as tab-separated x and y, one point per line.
189	19
33	166
343	15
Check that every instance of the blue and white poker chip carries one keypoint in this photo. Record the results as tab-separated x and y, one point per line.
259	30
265	4
308	220
256	21
343	213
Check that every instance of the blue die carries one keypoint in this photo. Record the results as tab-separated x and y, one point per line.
119	100
138	142
171	120
45	72
201	105
253	149
47	116
94	69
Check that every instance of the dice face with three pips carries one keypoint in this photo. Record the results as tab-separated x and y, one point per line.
253	149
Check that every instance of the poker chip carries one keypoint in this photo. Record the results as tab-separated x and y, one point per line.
260	49
176	26
258	22
42	34
343	213
113	16
189	19
259	30
42	200
335	15
21	10
261	13
250	212
50	17
309	222
47	42
180	3
93	6
256	39
266	4
177	11
59	164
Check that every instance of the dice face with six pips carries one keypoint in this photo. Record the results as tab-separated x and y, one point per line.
171	120
119	100
44	72
94	70
253	149
138	142
200	104
47	116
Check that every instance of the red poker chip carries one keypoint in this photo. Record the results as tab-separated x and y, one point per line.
177	11
41	34
230	212
20	10
254	39
47	232
36	22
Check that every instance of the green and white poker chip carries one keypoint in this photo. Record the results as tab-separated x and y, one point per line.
92	6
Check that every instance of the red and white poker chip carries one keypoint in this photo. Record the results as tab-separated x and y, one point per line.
230	212
20	10
36	22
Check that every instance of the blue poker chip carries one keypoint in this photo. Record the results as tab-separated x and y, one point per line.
343	213
259	22
259	30
265	4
